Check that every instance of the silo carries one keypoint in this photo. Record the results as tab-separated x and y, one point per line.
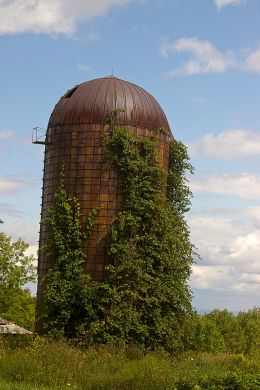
73	139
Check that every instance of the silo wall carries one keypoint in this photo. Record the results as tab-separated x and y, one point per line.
79	149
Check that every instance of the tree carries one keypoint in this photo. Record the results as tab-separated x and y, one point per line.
230	329
202	334
250	323
16	270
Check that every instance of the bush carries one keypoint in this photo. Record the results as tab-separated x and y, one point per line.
203	335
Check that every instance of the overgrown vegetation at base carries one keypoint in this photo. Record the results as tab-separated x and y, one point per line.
66	304
145	295
58	366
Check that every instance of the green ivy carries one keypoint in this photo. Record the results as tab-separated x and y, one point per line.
145	294
66	299
144	297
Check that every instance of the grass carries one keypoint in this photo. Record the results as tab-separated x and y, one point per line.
43	365
4	385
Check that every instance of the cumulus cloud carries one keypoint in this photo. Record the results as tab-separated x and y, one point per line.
254	213
246	246
223	278
244	186
230	255
22	229
225	3
252	62
11	185
227	144
50	16
213	238
205	57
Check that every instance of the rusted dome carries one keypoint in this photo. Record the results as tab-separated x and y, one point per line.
91	102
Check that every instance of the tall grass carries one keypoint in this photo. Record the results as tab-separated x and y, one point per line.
4	385
58	366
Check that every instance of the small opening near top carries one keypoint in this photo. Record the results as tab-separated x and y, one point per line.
71	92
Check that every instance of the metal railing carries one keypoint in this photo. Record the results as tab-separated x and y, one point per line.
39	136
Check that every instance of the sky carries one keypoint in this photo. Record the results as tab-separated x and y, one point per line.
201	60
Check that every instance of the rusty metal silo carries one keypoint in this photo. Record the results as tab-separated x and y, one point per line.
74	139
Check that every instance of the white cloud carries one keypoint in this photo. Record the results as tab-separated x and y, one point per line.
6	134
214	237
10	185
227	144
224	278
22	229
244	186
205	57
225	3
50	16
26	231
252	62
254	213
246	246
230	255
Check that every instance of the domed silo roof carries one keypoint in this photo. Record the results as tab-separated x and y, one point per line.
91	102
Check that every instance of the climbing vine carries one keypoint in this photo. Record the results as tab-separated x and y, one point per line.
144	296
66	299
178	191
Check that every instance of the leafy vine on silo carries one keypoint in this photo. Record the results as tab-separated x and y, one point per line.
66	299
145	294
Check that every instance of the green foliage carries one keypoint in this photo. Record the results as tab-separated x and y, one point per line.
15	341
6	385
21	309
59	366
144	299
145	294
250	323
230	330
179	164
202	334
16	269
222	331
65	304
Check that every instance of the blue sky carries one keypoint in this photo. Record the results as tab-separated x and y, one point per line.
201	61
